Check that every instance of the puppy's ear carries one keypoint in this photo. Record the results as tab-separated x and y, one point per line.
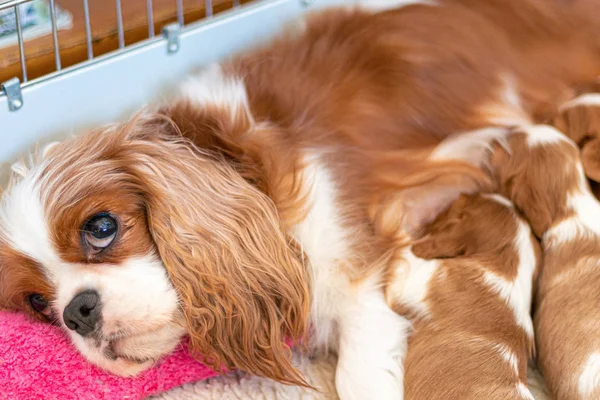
514	181
444	239
439	245
243	289
579	119
423	204
499	166
523	175
590	157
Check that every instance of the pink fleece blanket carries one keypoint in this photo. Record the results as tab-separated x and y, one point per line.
38	362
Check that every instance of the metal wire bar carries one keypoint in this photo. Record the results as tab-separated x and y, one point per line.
12	3
150	18
209	8
55	35
180	12
120	24
99	62
21	45
88	29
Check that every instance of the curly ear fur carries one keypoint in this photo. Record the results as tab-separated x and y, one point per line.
243	288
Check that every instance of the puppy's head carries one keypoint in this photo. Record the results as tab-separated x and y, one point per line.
131	237
475	224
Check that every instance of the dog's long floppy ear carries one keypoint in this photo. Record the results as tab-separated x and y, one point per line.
243	288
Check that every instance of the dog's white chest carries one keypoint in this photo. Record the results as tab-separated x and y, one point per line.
326	243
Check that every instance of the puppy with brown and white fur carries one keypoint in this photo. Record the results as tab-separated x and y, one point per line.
541	171
469	294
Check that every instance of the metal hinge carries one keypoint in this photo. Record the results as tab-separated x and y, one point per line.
171	33
12	89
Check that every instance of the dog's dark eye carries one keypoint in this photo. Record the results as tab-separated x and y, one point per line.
38	302
100	231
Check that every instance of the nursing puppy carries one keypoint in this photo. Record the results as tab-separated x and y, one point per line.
541	171
469	295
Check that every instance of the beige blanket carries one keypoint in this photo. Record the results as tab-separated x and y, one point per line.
319	372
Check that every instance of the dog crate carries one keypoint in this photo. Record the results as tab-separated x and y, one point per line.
67	65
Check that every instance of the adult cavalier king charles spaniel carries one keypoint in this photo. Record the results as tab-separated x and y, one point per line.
268	200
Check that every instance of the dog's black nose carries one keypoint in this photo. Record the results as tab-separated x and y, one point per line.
83	312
